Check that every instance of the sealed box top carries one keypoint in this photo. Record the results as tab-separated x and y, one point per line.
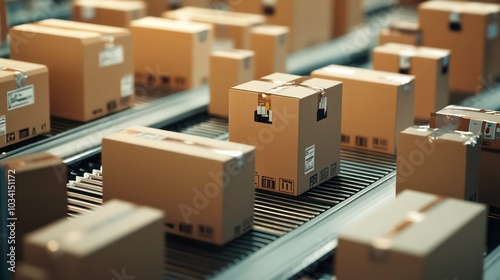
93	231
195	146
9	67
272	30
287	85
30	161
234	54
461	7
466	138
170	25
365	75
112	5
409	50
215	16
419	222
405	26
470	113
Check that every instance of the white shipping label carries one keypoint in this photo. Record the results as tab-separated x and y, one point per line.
489	130
111	56
492	30
20	97
309	159
475	126
127	85
3	126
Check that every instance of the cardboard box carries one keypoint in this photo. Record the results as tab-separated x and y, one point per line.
28	272
429	66
294	122
347	15
109	12
376	106
402	32
33	194
92	77
309	21
156	7
4	26
470	31
487	123
228	26
416	236
24	107
451	158
159	63
228	69
108	243
270	44
205	186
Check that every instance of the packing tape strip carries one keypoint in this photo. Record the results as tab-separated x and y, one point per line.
437	133
20	77
380	246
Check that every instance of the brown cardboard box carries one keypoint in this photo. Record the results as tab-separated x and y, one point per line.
33	194
109	12
470	31
228	69
159	63
488	124
347	15
429	66
4	27
402	32
92	77
416	236
205	186
309	21
270	44
155	7
376	106
24	106
294	122
439	161
108	243
228	26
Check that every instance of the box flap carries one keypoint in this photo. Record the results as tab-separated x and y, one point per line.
461	7
215	16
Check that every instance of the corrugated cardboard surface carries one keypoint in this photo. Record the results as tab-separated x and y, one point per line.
108	12
270	44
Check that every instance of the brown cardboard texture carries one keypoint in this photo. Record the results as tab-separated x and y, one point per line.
471	32
428	65
401	32
24	106
159	63
376	106
204	186
294	122
231	26
154	7
228	69
34	189
270	44
112	240
347	15
416	236
424	162
109	12
309	21
92	77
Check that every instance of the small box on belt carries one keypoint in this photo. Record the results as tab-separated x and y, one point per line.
204	186
294	123
439	161
376	106
109	243
428	65
160	63
270	44
109	12
24	106
416	236
402	32
487	123
92	77
33	194
228	69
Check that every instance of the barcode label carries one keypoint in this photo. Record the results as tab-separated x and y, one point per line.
111	56
345	139
361	141
268	183
186	228
3	126
206	231
489	131
309	159
127	85
20	97
380	143
324	174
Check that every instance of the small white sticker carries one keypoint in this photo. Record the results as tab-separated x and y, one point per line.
150	136
498	133
111	56
3	126
20	97
492	30
127	85
475	126
489	131
309	159
87	12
